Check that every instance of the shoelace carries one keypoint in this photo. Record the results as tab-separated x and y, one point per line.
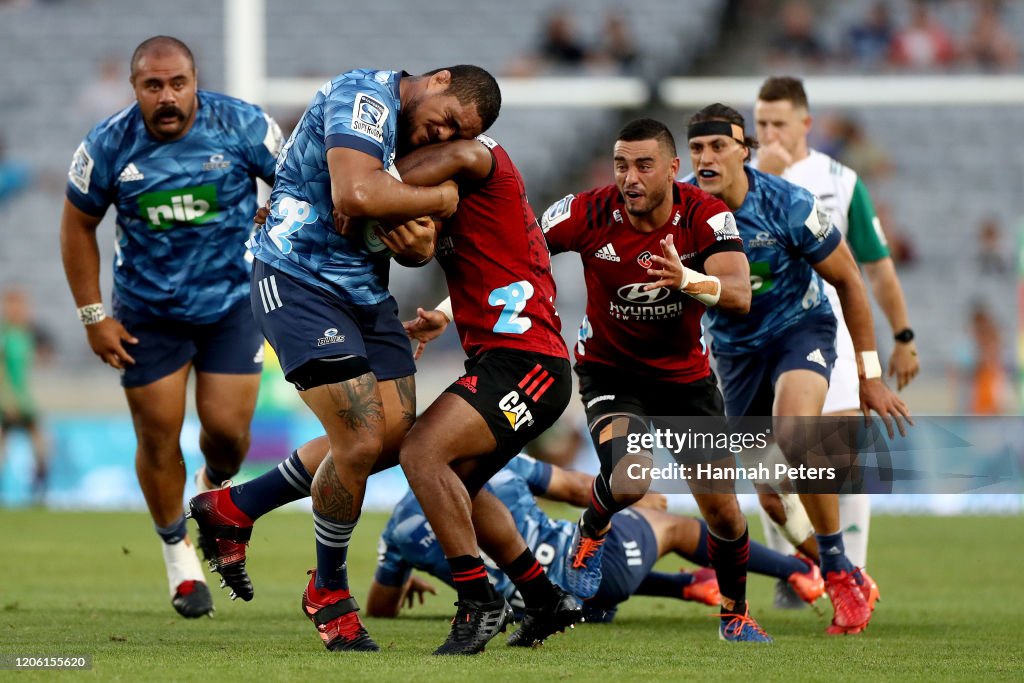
738	621
588	546
462	623
845	593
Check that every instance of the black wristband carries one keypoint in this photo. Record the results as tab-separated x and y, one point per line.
904	336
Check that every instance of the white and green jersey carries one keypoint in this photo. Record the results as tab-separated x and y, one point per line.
846	198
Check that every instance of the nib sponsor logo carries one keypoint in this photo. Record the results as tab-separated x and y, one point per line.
173	208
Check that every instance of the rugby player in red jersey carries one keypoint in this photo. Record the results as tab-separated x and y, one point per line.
655	255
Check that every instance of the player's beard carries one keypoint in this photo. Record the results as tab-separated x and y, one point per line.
652	202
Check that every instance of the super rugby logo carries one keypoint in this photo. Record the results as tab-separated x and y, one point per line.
331	336
369	116
515	411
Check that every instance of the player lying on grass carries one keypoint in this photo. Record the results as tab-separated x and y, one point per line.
639	537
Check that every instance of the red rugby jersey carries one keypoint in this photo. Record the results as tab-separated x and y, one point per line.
498	266
655	334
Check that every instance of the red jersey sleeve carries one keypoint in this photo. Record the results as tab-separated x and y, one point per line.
563	223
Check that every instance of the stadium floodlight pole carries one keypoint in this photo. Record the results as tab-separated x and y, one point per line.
245	49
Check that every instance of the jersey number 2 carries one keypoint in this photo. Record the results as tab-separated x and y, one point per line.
513	299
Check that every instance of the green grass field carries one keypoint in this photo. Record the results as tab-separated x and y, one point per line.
93	583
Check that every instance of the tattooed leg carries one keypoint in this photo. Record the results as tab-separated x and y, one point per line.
352	414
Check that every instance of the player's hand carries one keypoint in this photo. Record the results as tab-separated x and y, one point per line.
670	272
449	198
874	395
344	225
904	364
427	326
413	241
107	339
653	501
417	588
260	218
773	158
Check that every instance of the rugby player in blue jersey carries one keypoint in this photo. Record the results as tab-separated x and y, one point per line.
180	166
777	359
320	295
639	536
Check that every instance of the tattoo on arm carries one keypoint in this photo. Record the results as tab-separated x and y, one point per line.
330	497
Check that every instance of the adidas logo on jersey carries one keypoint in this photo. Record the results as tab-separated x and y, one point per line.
129	174
815	356
607	252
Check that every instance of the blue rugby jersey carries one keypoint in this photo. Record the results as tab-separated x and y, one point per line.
356	110
785	230
184	208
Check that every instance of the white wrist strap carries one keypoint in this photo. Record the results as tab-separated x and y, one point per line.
446	308
91	314
868	366
704	288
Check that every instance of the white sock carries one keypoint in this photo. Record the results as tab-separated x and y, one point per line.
200	479
772	537
182	564
855	521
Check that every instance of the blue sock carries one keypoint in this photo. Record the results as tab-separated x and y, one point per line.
832	553
174	532
700	555
331	552
769	562
664	585
287	482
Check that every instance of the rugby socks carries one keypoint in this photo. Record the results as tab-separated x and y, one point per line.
180	558
598	514
729	559
855	516
663	585
833	554
470	578
287	482
174	532
216	477
331	552
762	560
531	580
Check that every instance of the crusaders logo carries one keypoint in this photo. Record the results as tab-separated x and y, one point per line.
644	259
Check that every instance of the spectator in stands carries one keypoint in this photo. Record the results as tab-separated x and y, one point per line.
901	247
982	380
991	254
22	343
15	175
990	46
797	39
925	43
617	46
859	152
559	48
869	42
109	93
